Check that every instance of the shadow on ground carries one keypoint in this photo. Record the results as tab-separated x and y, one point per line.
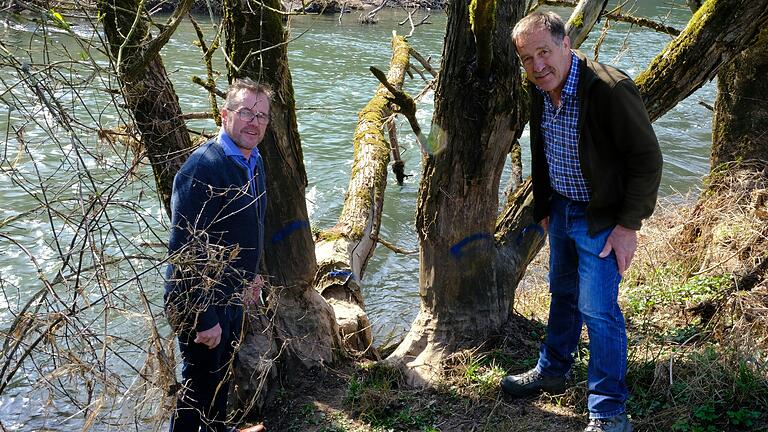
366	397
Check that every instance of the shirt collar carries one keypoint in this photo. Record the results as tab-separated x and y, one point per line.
573	76
230	148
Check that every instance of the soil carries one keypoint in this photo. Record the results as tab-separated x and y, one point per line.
319	401
317	405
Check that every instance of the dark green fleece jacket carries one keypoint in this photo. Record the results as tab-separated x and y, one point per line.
618	151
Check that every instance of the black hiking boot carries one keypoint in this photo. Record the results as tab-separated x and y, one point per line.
532	383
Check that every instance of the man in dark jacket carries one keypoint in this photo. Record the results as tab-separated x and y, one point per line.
596	167
217	237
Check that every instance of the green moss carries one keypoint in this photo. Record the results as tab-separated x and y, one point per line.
578	21
329	236
482	21
482	16
370	135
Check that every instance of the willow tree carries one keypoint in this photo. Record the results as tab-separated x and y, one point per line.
477	117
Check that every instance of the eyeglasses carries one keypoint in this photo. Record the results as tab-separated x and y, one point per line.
247	116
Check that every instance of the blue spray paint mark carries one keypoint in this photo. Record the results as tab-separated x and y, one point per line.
345	275
526	230
339	273
456	249
288	229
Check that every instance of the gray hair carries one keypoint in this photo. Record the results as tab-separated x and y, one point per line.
241	84
541	20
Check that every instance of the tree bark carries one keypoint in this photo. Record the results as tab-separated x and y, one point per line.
344	250
146	88
583	18
477	117
301	331
740	123
716	33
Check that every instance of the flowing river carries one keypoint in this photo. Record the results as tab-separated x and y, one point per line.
329	60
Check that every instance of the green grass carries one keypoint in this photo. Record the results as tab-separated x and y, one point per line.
378	396
668	288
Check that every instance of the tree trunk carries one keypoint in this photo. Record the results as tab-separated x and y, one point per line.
301	331
148	92
476	119
343	251
740	123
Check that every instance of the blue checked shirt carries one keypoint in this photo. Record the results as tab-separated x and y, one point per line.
561	140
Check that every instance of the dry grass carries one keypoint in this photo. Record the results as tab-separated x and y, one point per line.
696	302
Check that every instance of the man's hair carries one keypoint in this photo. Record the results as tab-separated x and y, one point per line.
537	20
241	84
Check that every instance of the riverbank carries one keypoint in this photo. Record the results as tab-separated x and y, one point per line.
696	305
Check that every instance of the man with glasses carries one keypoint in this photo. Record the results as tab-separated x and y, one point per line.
217	238
596	167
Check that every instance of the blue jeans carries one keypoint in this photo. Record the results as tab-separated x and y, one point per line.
584	289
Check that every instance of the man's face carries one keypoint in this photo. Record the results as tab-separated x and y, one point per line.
546	62
245	119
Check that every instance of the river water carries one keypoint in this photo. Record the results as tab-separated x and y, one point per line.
329	61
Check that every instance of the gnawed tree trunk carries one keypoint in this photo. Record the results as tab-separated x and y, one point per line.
301	331
740	123
476	120
518	239
146	88
716	33
343	251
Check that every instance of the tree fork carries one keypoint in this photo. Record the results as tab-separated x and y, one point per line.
476	119
147	90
